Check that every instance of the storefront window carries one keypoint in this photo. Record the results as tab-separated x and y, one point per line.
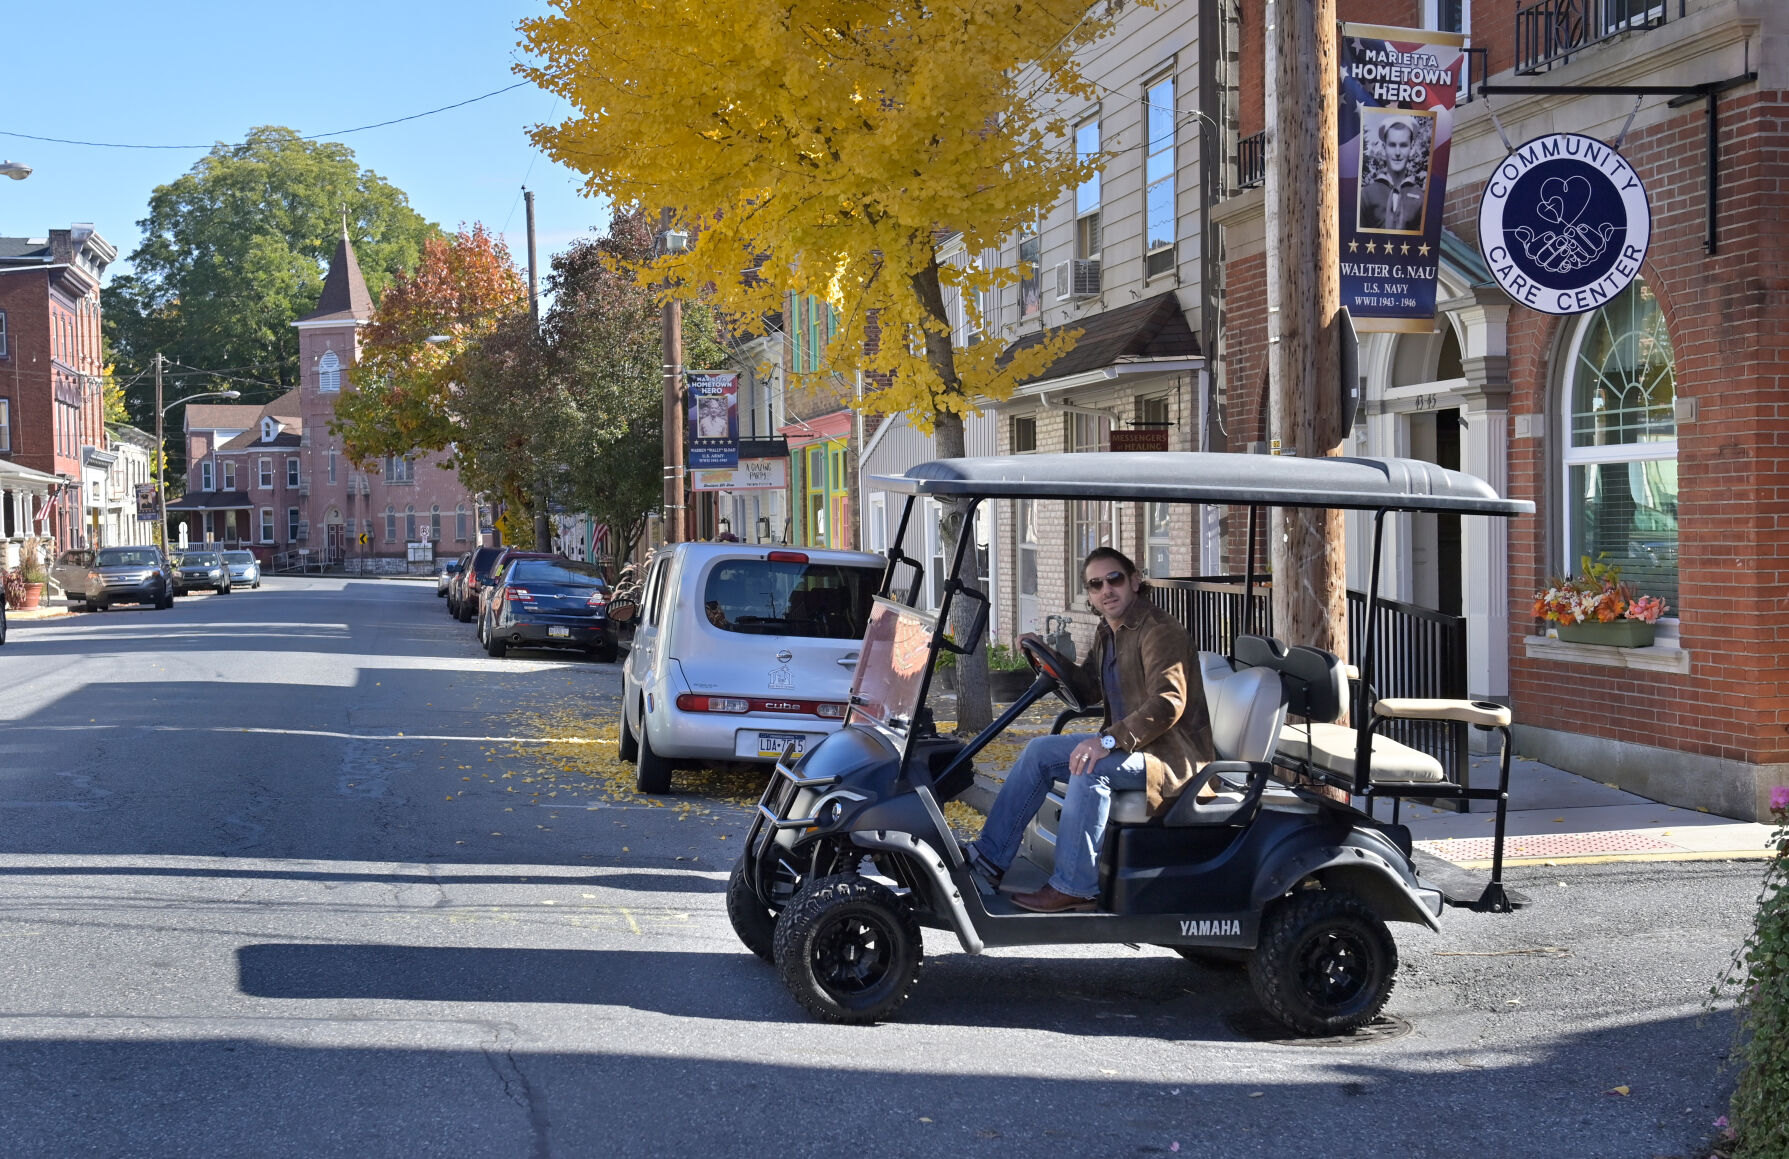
1621	445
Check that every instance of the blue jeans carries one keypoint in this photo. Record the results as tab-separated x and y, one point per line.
1085	808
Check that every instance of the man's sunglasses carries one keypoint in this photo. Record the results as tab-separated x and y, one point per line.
1115	578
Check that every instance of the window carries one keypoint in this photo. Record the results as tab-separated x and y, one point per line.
332	466
459	523
266	525
291	472
1031	283
1620	459
1152	415
291	525
329	372
777	598
5	424
399	469
229	474
1090	521
1024	434
875	536
3	347
264	466
813	324
391	524
435	524
816	495
1158	178
269	430
1087	196
205	476
409	524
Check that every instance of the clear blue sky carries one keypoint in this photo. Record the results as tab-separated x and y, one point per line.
178	71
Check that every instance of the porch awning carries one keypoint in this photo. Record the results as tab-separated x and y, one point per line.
1139	337
213	501
14	477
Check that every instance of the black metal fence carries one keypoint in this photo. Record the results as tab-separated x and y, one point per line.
1251	161
1419	652
1549	32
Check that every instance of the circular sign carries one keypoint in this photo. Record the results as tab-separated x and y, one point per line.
1564	223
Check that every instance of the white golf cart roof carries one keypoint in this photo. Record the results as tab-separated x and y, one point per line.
1211	477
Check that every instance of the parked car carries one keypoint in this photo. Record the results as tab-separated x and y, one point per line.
69	572
462	596
2	621
244	568
505	557
548	603
201	568
740	652
444	578
129	575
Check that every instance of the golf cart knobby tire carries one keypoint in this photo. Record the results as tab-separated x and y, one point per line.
755	925
840	982
629	748
1318	940
652	773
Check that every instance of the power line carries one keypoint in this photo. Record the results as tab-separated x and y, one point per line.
301	137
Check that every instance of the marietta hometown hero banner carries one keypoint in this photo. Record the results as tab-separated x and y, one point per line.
714	418
1395	116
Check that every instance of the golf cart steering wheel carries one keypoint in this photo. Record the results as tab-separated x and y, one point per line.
1074	688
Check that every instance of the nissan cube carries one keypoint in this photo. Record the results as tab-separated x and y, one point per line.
740	653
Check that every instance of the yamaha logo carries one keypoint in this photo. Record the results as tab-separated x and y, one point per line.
1564	223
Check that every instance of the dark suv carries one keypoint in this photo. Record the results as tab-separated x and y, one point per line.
129	575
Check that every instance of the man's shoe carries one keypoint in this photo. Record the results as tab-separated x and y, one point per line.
1050	900
988	871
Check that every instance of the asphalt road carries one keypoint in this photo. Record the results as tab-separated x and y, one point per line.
264	890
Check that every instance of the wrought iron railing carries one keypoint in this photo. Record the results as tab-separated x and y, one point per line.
1548	33
1419	652
1251	161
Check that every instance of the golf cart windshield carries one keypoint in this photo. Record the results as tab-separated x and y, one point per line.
897	651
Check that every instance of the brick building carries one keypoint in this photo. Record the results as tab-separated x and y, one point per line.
1691	497
273	477
52	409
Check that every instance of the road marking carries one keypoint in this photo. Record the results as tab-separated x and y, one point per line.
311	732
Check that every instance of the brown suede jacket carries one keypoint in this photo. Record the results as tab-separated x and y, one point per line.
1164	698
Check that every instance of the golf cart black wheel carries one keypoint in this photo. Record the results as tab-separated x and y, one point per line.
652	773
629	748
848	949
752	921
1326	963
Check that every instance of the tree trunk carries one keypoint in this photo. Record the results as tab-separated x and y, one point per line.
975	710
1304	297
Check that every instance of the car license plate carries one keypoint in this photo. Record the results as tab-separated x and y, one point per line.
773	744
558	631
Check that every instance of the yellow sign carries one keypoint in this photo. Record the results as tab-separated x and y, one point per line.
365	539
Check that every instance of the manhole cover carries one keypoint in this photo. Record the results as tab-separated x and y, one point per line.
1261	1026
1545	845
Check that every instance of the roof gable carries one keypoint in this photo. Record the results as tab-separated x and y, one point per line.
1152	328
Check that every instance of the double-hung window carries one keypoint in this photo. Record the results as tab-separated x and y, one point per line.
291	472
1087	194
229	475
1159	206
266	525
5	422
1090	520
205	483
264	466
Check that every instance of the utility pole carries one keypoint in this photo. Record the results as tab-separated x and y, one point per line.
1304	311
543	535
672	325
161	463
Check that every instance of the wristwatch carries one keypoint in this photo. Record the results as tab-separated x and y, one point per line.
1107	741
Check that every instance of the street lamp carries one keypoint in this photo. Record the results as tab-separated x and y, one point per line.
17	170
161	445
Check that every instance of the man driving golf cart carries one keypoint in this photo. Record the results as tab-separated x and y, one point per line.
1156	737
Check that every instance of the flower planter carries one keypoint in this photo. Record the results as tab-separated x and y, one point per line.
33	596
1008	685
1615	633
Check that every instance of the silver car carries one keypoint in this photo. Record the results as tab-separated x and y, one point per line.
244	568
740	651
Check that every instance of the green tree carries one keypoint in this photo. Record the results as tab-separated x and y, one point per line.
235	250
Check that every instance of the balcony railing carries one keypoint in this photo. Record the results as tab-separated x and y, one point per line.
1550	32
1251	161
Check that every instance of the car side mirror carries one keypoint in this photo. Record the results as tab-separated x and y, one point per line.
623	611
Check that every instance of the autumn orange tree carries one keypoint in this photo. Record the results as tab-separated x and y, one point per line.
828	146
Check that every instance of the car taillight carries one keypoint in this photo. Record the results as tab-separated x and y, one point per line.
835	711
597	600
690	702
516	594
788	557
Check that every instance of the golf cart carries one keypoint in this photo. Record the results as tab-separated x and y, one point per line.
1299	884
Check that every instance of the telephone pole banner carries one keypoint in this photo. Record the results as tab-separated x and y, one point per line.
713	418
1395	117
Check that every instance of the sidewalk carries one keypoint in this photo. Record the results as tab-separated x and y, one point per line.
46	609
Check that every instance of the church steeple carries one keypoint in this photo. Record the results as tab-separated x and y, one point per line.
344	294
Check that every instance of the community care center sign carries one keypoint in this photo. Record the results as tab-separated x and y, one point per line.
1564	223
1395	117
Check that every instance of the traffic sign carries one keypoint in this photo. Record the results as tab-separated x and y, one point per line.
365	539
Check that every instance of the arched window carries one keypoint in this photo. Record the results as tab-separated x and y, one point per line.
1620	444
391	524
409	524
329	372
435	523
459	523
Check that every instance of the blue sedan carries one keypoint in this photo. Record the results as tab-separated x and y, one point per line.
244	568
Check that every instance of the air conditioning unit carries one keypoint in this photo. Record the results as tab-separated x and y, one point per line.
304	488
1078	278
304	530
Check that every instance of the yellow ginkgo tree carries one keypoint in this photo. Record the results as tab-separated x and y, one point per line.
828	148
